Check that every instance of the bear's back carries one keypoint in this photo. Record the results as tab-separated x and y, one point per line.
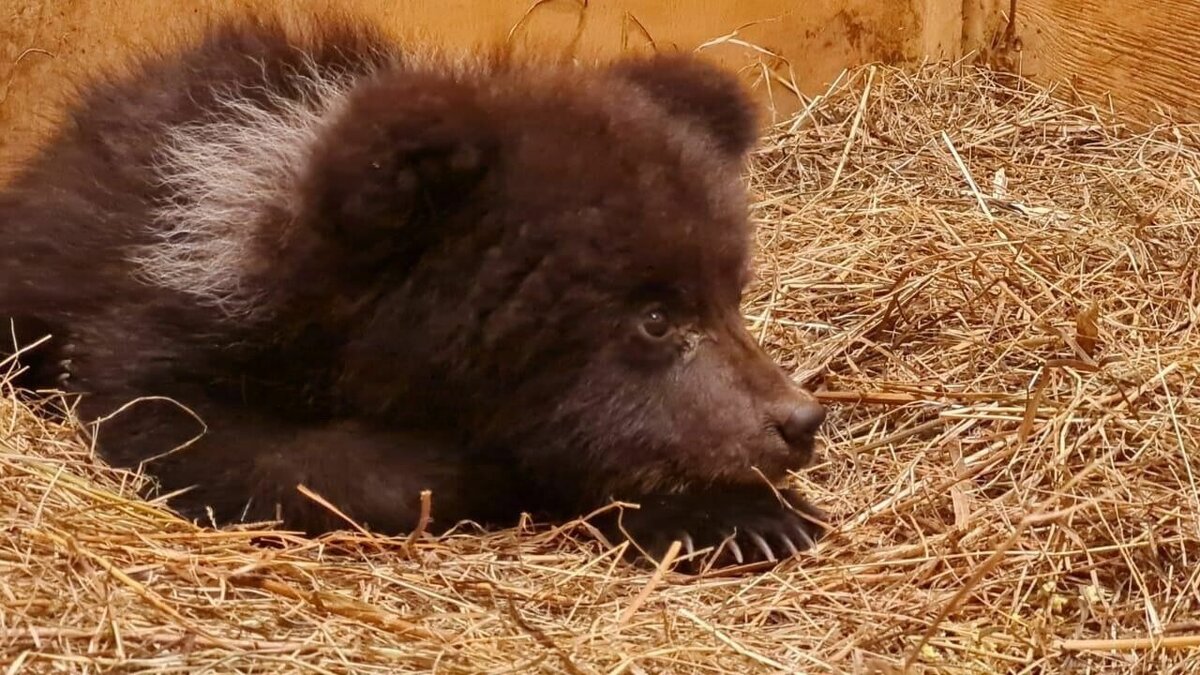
100	182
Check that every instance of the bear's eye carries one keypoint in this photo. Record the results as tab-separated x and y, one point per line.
655	324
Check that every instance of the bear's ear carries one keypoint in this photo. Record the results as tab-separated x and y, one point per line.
688	87
402	155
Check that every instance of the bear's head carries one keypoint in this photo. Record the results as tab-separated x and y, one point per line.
549	263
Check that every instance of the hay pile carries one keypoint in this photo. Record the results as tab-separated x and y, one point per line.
999	292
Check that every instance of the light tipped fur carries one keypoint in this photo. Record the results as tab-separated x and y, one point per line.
223	176
227	174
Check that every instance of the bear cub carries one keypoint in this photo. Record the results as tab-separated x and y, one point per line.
267	261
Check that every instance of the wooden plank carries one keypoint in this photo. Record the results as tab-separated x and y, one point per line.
1143	53
48	45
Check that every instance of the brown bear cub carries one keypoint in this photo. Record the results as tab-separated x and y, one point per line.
269	261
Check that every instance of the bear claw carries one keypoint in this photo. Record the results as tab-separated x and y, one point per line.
789	544
736	551
762	545
689	544
732	528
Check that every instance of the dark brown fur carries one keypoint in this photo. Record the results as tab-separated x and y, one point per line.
456	302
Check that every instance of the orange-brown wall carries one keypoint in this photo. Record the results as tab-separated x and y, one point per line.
46	45
1140	55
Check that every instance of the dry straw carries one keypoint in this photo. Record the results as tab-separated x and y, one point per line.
999	292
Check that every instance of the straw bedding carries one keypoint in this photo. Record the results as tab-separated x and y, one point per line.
998	292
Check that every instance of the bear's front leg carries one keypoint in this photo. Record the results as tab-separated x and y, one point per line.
375	478
738	526
241	466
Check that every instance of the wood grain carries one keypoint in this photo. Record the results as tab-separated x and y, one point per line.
1143	54
47	46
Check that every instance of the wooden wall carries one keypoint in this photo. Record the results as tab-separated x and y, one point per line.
45	45
1144	53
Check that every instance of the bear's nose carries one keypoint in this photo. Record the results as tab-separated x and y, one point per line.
802	422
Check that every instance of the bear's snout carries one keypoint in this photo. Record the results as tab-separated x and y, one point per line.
801	422
797	418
